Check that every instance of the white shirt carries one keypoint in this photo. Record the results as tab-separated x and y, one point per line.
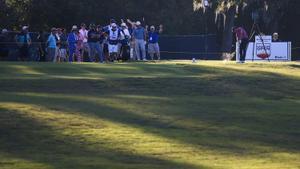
126	33
84	34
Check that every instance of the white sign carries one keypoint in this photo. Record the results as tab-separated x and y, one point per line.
278	51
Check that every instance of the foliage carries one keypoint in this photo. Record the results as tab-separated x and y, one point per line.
41	14
181	17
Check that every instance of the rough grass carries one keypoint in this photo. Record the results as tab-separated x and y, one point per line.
167	115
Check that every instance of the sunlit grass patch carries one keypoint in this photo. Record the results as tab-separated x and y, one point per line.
97	134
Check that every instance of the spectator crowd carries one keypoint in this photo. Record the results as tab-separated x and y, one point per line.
115	42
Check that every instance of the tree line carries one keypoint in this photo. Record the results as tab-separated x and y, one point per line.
43	14
179	17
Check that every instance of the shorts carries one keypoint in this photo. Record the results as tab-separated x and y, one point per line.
153	48
113	48
63	53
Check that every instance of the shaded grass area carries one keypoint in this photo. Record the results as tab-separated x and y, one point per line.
155	115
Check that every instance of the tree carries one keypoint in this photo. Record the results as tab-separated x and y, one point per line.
176	15
229	13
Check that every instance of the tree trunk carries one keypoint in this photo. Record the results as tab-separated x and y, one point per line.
227	33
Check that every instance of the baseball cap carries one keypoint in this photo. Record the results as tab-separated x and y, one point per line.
124	25
138	23
25	27
152	27
4	31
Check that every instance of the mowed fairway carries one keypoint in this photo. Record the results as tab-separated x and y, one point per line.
167	115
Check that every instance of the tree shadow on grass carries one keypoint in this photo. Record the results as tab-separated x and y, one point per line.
249	120
234	128
26	138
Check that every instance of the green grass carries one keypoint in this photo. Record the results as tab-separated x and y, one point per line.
166	115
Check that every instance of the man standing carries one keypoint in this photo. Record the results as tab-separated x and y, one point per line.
139	34
93	40
242	39
132	40
153	46
124	42
51	43
72	40
57	38
84	34
24	42
41	40
62	45
113	40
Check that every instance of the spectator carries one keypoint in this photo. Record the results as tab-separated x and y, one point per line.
132	40
62	45
51	44
72	40
24	41
101	33
242	39
57	38
275	37
4	44
153	46
124	43
113	40
79	46
84	34
139	34
42	46
94	42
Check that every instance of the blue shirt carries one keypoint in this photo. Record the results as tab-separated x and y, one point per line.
24	38
139	33
72	40
51	41
153	37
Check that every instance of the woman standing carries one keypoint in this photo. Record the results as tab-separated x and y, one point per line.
79	46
